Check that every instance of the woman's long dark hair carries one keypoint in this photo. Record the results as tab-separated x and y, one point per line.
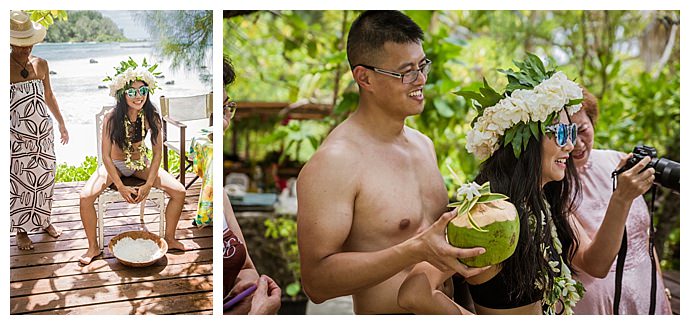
520	179
117	120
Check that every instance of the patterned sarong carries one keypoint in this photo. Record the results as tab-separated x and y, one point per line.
32	162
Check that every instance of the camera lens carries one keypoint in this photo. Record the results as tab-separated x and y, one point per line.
667	173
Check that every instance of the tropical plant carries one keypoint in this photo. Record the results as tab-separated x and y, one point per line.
67	173
284	229
47	17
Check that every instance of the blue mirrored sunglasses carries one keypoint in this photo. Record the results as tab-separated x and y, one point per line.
562	132
131	92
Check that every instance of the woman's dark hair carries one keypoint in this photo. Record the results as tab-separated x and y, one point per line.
520	179
228	71
117	120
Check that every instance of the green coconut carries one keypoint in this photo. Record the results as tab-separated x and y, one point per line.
493	225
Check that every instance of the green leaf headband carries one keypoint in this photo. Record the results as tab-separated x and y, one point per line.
130	71
530	102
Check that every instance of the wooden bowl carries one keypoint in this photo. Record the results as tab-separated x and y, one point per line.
137	234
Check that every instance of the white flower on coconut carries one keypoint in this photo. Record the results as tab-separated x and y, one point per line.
468	191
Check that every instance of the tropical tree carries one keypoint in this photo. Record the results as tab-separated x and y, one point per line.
82	26
185	36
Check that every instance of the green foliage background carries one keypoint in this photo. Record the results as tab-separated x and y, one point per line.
618	55
83	26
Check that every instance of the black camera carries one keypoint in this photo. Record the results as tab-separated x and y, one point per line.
666	172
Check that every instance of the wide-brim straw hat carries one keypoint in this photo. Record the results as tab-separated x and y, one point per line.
23	31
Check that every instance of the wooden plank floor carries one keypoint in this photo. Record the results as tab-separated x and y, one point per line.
50	280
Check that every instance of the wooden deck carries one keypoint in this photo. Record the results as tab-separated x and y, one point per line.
50	280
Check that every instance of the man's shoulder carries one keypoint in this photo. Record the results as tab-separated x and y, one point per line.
419	137
416	133
335	151
335	163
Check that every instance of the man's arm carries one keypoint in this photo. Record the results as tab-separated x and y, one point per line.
326	191
419	292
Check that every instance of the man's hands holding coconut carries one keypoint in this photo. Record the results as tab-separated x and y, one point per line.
433	248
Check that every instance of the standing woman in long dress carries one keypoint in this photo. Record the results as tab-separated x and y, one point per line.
32	162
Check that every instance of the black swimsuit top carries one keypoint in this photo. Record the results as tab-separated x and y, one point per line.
136	132
495	294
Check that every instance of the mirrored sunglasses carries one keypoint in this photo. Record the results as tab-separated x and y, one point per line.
563	132
131	92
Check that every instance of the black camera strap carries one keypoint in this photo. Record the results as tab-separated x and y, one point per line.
620	263
622	252
652	232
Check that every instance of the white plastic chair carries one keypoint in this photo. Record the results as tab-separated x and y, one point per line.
110	194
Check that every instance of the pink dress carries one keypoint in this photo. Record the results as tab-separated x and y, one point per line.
596	193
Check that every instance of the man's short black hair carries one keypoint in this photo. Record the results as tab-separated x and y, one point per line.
228	71
374	28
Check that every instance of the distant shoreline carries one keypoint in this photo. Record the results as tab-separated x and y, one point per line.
96	42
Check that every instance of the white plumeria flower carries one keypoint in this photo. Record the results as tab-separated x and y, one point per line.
468	191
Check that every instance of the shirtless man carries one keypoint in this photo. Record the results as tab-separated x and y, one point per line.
371	196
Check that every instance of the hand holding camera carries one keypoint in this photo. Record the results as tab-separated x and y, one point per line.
666	172
635	180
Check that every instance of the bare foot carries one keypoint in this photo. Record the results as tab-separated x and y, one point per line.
53	231
24	242
174	244
90	255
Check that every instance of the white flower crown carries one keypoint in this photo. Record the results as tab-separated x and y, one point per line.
516	115
128	72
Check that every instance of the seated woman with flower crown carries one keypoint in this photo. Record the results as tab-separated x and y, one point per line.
124	154
525	138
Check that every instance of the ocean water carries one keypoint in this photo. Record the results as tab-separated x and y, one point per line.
76	82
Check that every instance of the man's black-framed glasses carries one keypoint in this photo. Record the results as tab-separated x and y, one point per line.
230	107
407	77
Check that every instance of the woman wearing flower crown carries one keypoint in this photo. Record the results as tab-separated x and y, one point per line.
124	154
525	138
32	156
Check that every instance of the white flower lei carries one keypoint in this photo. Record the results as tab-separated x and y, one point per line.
130	75
139	164
565	289
523	105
